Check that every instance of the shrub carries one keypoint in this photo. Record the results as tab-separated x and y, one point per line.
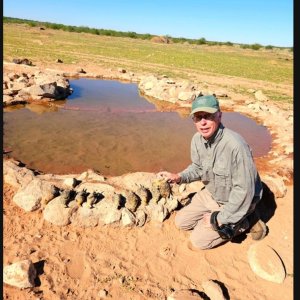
32	24
201	41
256	46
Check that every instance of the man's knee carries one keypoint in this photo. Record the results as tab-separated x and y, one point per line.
180	221
200	243
204	242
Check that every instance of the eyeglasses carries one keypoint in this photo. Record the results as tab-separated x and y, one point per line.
207	116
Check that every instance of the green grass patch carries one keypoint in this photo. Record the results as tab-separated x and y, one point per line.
47	45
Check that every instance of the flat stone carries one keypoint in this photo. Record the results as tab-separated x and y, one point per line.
266	263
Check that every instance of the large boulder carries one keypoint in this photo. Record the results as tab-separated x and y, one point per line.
37	192
15	174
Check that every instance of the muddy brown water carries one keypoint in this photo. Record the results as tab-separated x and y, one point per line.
107	126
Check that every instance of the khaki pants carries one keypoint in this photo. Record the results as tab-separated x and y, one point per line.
190	217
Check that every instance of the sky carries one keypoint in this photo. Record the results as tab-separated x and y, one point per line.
266	22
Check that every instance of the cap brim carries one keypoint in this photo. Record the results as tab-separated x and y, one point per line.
206	109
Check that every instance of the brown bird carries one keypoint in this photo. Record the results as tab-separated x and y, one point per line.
81	197
164	188
155	192
132	201
116	200
144	195
91	199
66	197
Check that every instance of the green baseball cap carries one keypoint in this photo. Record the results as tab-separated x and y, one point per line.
207	103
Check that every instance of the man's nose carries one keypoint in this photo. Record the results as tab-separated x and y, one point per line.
203	121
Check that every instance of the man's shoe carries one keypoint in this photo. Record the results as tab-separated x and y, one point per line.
258	230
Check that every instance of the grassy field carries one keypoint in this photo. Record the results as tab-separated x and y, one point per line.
273	66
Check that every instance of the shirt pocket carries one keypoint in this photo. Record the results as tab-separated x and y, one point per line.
222	184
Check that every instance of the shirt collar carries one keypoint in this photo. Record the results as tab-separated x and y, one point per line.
215	137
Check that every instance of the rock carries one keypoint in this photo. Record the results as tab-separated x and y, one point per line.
7	100
102	294
20	274
128	218
112	216
186	96
255	106
16	175
36	193
221	93
130	180
171	204
121	70
90	175
149	85
266	263
157	212
70	182
24	61
275	184
170	81
47	90
56	213
213	290
108	214
140	217
185	294
85	217
80	70
17	86
260	96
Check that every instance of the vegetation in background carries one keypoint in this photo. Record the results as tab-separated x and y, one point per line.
130	34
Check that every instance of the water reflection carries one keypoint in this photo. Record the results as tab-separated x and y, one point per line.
111	128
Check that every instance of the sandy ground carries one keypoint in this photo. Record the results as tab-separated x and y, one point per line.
139	263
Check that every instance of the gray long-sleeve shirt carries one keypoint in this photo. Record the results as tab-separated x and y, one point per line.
225	165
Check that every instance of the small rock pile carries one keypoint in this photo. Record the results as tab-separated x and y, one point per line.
21	88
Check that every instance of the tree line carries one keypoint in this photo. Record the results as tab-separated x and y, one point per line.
130	34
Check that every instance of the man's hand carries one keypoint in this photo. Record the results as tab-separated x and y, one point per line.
170	177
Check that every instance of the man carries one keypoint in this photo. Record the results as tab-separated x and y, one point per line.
223	161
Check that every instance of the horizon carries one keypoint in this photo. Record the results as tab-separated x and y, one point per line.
250	22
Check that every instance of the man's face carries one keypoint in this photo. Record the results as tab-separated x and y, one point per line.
207	123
